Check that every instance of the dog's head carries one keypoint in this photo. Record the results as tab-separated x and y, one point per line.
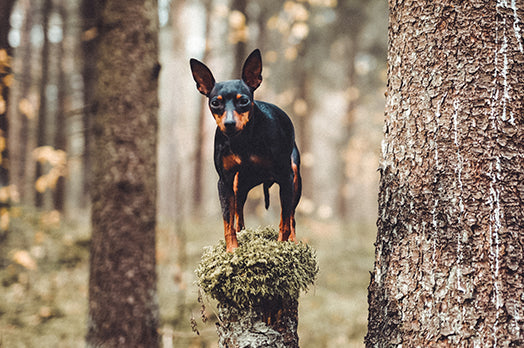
230	102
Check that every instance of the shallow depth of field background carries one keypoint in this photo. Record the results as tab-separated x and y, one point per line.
324	64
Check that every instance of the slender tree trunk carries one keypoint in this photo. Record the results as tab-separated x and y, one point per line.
238	35
123	309
5	82
201	130
22	115
90	15
302	117
449	265
42	110
60	133
351	17
348	125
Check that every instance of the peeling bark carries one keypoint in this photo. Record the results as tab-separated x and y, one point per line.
449	262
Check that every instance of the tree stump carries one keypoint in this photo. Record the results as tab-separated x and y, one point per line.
257	288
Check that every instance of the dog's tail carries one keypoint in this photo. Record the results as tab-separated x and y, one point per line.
267	185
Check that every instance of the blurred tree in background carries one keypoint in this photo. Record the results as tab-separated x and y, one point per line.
6	79
123	304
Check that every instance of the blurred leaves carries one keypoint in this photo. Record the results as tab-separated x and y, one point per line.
238	29
57	159
22	257
27	108
6	77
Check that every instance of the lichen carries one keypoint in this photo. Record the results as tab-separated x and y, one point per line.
261	270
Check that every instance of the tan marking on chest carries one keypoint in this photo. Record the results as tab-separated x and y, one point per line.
231	161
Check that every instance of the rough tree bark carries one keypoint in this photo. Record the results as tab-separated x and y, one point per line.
449	265
123	309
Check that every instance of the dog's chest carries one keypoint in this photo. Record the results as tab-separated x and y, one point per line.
235	162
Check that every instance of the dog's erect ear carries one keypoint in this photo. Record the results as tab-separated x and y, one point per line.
203	77
252	70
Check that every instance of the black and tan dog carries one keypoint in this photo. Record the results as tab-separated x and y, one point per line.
254	144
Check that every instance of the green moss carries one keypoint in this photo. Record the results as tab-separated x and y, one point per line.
259	271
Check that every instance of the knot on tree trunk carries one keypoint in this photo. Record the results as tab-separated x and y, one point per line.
257	288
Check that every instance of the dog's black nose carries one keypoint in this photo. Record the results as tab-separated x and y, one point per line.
230	125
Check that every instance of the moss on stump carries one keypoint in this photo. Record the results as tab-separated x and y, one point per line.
257	288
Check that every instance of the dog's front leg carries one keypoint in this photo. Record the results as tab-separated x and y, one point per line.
240	199
287	230
227	202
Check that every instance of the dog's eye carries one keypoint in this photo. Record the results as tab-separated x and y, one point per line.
215	103
243	101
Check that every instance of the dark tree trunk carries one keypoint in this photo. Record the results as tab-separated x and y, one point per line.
5	75
450	247
42	110
90	12
123	309
22	119
60	133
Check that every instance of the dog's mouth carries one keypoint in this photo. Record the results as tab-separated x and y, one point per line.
231	132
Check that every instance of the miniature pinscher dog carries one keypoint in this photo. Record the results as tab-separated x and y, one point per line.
254	144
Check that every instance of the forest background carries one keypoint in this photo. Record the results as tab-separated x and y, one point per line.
324	64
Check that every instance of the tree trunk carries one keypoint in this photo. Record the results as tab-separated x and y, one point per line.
449	262
90	15
257	288
5	78
5	81
351	17
273	325
60	140
22	115
203	114
42	110
123	309
238	34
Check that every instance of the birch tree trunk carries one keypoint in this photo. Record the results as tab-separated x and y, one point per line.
123	309
449	268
